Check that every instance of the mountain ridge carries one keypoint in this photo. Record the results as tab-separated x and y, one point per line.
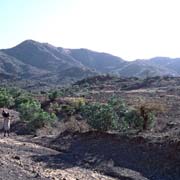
45	62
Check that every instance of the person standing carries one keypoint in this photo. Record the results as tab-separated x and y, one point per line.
6	123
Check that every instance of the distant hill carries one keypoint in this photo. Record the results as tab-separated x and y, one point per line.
11	66
147	68
101	62
42	62
43	56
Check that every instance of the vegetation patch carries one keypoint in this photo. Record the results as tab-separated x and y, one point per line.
29	108
115	115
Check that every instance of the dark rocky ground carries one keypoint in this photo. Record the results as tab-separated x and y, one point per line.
15	161
22	160
72	156
19	157
118	156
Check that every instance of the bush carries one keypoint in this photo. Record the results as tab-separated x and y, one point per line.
147	113
114	115
118	106
41	119
6	100
147	110
28	109
133	119
31	112
77	102
100	116
22	99
15	92
70	107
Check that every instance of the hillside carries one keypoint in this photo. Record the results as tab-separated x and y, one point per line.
37	62
11	66
42	62
101	62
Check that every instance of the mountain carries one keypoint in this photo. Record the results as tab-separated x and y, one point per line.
101	62
56	59
42	61
169	63
42	55
144	68
45	63
12	67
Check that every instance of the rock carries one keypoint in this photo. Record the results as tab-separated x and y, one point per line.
16	157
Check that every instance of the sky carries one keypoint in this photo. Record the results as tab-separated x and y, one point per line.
130	29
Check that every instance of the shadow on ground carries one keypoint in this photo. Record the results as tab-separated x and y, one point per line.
121	157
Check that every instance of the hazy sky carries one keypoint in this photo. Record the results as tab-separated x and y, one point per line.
130	29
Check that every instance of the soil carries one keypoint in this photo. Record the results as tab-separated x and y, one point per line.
91	156
23	160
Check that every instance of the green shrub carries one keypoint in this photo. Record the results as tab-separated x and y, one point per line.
133	119
41	119
31	112
114	115
22	99
118	106
15	92
6	99
100	116
29	109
